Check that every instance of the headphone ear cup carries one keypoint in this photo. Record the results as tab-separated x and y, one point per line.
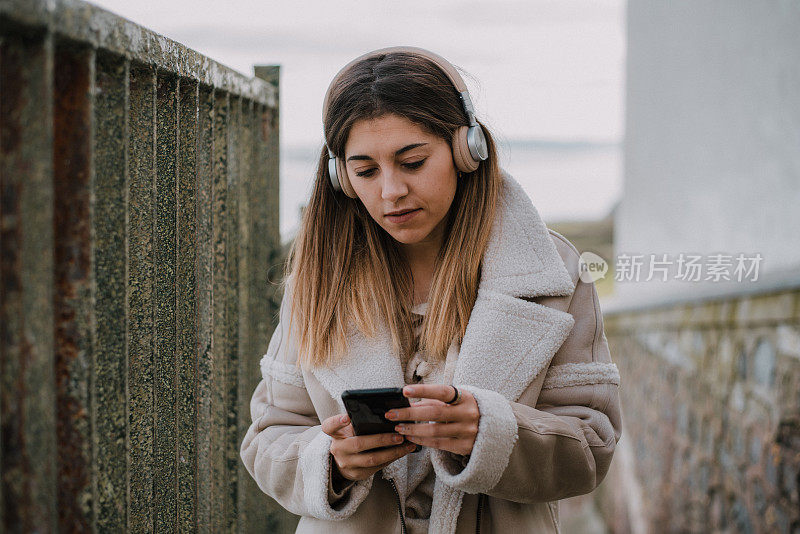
344	180
461	154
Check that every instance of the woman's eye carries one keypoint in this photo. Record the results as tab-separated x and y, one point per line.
414	164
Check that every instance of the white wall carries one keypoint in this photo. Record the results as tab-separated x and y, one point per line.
712	141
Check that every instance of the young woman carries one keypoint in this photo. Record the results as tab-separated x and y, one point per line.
421	264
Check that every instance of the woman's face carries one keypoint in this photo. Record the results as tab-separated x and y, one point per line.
394	165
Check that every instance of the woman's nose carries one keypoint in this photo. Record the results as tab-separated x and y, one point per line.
394	186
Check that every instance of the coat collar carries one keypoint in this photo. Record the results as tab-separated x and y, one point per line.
508	340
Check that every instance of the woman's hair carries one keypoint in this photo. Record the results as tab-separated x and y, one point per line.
344	266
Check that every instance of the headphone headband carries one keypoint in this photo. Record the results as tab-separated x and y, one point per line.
442	63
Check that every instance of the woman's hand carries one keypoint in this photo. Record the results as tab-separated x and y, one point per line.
354	456
450	427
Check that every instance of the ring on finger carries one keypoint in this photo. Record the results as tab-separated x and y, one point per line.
456	397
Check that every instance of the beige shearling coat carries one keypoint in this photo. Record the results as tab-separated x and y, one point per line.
536	359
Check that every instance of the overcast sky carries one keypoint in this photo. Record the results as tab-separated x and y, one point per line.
539	69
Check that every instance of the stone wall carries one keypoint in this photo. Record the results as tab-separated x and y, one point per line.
710	393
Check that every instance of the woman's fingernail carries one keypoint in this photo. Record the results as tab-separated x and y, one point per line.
343	419
410	391
397	439
391	415
400	428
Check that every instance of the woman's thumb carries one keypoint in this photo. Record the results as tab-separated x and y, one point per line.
335	424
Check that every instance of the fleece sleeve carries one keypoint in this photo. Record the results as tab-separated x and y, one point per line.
285	450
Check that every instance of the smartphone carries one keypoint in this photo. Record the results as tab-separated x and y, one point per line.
366	409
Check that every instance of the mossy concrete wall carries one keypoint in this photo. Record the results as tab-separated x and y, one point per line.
138	222
710	393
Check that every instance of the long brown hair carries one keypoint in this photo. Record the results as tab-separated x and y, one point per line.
344	266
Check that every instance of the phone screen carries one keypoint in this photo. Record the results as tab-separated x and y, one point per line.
366	408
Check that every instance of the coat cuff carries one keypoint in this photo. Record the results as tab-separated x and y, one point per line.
497	434
333	494
315	464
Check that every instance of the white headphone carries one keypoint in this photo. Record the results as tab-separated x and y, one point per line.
469	142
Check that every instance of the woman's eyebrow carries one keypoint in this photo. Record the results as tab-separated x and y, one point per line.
397	152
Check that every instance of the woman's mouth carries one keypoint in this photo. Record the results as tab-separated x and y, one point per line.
403	217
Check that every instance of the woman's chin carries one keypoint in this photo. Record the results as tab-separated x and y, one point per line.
407	237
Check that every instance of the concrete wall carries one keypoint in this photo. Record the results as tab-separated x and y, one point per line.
712	131
710	370
139	216
710	394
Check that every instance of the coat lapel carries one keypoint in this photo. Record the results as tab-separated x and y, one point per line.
508	340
